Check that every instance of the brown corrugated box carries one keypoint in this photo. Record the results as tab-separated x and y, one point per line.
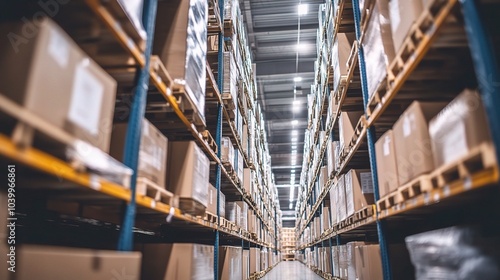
351	259
458	128
212	201
333	205
326	218
336	261
403	14
412	141
53	78
180	261
359	190
51	263
152	151
254	260
387	168
340	199
246	264
243	215
343	262
188	171
343	45
347	124
368	262
230	263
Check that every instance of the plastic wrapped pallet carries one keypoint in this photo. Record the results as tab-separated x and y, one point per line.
227	151
340	199
403	14
458	128
188	173
245	267
456	253
180	261
243	214
378	45
333	205
133	9
254	260
181	42
230	81
358	189
152	151
351	259
230	263
233	212
238	164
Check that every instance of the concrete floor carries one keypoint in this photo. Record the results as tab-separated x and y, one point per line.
291	271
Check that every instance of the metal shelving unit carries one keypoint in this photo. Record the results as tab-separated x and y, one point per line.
381	222
152	78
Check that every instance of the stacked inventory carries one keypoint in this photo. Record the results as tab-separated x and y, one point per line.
418	110
288	243
92	76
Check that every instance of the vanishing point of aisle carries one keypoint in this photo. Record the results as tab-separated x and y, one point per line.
291	271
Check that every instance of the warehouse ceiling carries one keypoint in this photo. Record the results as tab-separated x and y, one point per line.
272	34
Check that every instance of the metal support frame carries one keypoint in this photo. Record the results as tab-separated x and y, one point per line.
386	268
485	66
133	136
218	136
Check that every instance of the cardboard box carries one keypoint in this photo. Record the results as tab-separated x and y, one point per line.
336	261
458	128
378	45
49	263
212	201
343	262
347	124
323	178
227	151
368	262
387	168
152	151
359	190
412	141
50	76
243	215
331	159
326	218
246	265
239	165
230	263
340	54
340	201
181	28
403	14
333	204
182	261
254	260
351	259
248	177
233	212
189	171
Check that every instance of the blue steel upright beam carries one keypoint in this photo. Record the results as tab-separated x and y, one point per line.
218	135
133	137
486	68
370	135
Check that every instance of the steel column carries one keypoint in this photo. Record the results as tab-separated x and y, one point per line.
371	143
133	136
486	68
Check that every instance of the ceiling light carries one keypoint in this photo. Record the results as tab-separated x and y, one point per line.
296	102
290	206
294	139
294	147
303	47
294	152
297	79
302	9
295	132
292	192
293	171
295	122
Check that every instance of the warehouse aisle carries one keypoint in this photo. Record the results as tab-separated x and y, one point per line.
291	271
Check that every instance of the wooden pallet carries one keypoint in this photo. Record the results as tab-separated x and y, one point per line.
424	24
229	28
378	98
389	201
187	106
146	187
190	206
210	140
417	186
364	213
211	218
478	159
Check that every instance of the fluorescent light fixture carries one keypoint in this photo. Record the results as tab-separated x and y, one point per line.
290	207
296	102
303	47
295	133
294	147
295	122
294	139
302	9
293	171
294	152
292	192
297	79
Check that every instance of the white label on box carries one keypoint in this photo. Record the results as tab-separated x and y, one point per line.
408	124
58	48
394	14
386	146
454	143
86	100
366	182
